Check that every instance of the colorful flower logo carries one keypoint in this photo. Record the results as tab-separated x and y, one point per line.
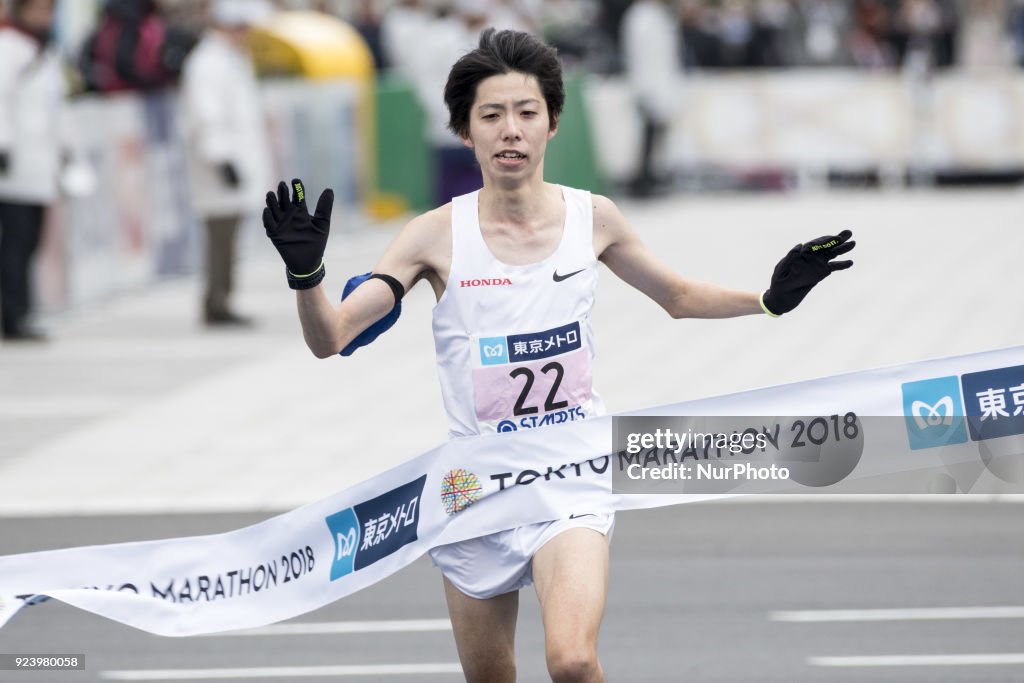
459	489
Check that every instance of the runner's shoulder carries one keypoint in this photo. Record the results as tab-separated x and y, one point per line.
605	211
610	225
431	225
427	238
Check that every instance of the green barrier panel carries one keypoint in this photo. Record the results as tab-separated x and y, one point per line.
403	156
404	165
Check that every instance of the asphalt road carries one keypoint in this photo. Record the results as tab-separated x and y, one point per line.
695	595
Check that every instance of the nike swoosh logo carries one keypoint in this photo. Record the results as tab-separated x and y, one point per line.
589	514
558	278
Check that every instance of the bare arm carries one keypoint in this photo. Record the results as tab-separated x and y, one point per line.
328	328
620	248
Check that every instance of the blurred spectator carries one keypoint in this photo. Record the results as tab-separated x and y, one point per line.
401	30
227	147
735	32
820	27
869	41
732	33
650	51
442	41
715	33
31	98
1016	23
366	19
984	41
324	6
770	20
515	15
365	16
764	33
924	34
133	48
700	35
609	21
187	15
568	26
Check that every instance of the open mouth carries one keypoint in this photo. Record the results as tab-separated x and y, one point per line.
511	156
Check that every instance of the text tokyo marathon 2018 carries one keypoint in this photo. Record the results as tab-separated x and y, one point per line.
210	587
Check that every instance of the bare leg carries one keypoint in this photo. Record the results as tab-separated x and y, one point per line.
571	576
485	632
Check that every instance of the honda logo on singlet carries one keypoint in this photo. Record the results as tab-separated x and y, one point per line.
486	282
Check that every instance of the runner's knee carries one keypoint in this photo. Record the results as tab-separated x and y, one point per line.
576	665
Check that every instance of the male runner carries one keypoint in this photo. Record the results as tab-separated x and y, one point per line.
517	258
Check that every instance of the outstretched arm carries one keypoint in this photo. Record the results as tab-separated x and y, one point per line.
621	249
301	239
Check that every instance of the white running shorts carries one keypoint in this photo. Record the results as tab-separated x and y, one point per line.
503	562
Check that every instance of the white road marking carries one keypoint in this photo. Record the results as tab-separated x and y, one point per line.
335	627
920	660
282	672
911	614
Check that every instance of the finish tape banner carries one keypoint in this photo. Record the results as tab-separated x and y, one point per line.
953	425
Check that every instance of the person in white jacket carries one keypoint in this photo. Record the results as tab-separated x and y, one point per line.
652	59
32	93
227	151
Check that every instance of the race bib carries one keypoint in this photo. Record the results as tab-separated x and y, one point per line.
533	379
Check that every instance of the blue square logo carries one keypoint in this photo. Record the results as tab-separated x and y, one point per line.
933	412
345	529
375	528
995	402
493	351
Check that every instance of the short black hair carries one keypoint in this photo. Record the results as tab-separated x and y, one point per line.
502	52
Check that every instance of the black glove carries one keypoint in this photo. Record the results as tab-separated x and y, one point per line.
5	161
229	174
803	267
300	238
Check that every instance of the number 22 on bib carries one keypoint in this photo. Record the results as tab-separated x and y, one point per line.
531	379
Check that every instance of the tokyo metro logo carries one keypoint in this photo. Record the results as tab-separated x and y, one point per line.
493	351
934	413
372	530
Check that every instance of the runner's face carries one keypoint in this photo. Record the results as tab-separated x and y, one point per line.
509	126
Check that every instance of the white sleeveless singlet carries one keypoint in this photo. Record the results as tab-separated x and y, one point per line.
514	344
